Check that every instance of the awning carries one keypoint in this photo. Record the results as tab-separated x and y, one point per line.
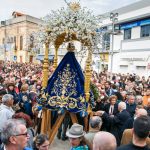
41	57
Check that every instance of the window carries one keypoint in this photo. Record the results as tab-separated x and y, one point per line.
127	34
15	43
141	67
98	64
31	41
123	67
11	39
21	59
3	40
145	30
38	51
21	42
106	41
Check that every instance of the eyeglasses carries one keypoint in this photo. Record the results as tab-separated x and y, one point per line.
24	134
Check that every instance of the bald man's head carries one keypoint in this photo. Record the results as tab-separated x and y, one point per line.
96	122
141	112
121	106
104	141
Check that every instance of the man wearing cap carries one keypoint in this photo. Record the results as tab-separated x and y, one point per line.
76	137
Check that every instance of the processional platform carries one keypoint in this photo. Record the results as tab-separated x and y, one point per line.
68	89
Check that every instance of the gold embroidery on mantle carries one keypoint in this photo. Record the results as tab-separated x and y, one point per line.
64	90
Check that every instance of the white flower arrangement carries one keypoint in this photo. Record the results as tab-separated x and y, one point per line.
82	23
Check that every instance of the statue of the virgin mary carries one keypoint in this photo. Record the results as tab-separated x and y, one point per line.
65	88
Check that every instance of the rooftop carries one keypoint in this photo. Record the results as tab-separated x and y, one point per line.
137	5
20	17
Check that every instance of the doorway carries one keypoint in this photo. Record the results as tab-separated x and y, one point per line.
31	59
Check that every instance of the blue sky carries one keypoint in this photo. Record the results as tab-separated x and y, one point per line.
39	8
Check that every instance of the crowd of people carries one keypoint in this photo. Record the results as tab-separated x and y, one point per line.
121	111
20	86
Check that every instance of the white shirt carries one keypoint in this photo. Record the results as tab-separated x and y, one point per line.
5	114
111	109
4	147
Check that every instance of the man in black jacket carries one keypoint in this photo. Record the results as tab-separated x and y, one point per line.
129	122
117	121
131	105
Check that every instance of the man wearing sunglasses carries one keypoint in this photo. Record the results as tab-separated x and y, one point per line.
14	135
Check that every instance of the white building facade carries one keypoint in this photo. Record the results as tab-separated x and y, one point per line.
131	45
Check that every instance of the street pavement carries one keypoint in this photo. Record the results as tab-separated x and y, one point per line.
60	145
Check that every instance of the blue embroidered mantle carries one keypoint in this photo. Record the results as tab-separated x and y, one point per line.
66	86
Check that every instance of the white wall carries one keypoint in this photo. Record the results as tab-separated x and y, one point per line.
131	62
135	13
133	54
138	44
